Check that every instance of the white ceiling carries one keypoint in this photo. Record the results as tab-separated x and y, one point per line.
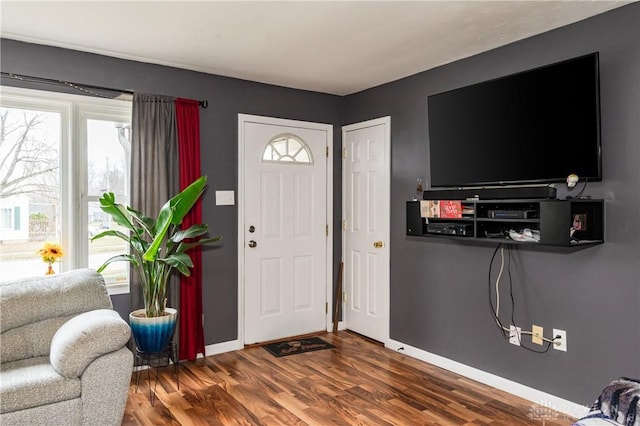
338	47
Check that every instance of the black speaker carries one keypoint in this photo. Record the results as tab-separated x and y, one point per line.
514	193
415	222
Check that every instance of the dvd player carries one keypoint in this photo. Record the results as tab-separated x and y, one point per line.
450	228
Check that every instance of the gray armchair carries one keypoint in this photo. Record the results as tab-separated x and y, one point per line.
63	356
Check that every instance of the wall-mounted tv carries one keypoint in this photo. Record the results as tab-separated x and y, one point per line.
534	127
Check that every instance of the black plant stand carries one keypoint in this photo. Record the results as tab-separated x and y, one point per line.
156	360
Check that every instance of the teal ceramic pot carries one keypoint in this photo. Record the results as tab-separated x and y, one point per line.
152	335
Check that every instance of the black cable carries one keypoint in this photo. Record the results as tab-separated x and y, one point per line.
581	191
513	309
493	308
538	352
583	187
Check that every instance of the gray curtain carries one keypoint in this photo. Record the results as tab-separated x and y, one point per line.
154	169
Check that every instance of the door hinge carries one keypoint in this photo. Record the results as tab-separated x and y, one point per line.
327	152
344	296
326	229
344	224
344	153
326	307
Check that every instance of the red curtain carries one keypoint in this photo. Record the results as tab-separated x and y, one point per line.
191	327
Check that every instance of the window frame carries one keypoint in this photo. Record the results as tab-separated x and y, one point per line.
74	110
287	137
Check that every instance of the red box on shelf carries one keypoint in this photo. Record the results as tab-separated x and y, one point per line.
451	209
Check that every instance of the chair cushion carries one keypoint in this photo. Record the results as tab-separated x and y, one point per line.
84	338
33	382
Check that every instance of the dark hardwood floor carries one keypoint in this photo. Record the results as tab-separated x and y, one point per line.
357	383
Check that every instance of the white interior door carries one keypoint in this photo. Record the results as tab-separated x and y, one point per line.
285	228
366	194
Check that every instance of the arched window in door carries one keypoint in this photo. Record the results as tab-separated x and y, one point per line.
287	148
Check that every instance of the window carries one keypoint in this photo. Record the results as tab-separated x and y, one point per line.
58	154
6	218
287	148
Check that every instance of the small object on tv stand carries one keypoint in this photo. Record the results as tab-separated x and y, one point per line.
462	229
512	214
501	234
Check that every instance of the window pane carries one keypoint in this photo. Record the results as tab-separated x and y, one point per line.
303	157
30	197
280	146
287	148
107	147
294	147
104	248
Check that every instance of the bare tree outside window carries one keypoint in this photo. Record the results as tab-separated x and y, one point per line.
29	185
29	154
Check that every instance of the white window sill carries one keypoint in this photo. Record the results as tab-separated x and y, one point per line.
120	288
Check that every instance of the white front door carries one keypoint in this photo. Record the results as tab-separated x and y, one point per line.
284	232
366	212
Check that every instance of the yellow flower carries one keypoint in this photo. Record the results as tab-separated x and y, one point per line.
51	252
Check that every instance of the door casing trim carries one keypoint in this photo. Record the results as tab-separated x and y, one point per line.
328	128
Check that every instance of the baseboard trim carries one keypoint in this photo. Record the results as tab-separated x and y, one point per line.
220	348
541	399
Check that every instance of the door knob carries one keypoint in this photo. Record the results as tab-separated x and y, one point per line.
378	244
252	244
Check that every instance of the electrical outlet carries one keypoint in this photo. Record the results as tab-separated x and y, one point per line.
536	336
514	335
561	342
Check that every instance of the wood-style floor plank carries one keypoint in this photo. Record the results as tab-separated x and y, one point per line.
357	383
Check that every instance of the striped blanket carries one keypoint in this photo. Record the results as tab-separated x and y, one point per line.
619	403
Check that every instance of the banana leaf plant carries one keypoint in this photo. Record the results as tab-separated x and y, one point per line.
157	246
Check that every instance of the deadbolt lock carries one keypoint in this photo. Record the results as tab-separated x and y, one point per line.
378	244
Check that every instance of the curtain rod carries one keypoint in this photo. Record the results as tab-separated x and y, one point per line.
85	88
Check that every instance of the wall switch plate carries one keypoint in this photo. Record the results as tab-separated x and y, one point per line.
514	335
225	198
560	343
536	336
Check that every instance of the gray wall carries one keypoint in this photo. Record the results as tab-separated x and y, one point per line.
438	288
219	140
439	299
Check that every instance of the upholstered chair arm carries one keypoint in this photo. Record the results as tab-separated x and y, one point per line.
86	337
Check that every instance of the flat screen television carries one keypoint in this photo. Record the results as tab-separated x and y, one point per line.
534	127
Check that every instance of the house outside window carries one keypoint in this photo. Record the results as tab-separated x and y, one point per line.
58	154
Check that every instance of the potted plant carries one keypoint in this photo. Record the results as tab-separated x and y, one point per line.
157	248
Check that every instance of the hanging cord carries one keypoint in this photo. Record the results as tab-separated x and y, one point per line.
84	88
496	310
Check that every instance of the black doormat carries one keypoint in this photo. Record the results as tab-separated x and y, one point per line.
298	346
